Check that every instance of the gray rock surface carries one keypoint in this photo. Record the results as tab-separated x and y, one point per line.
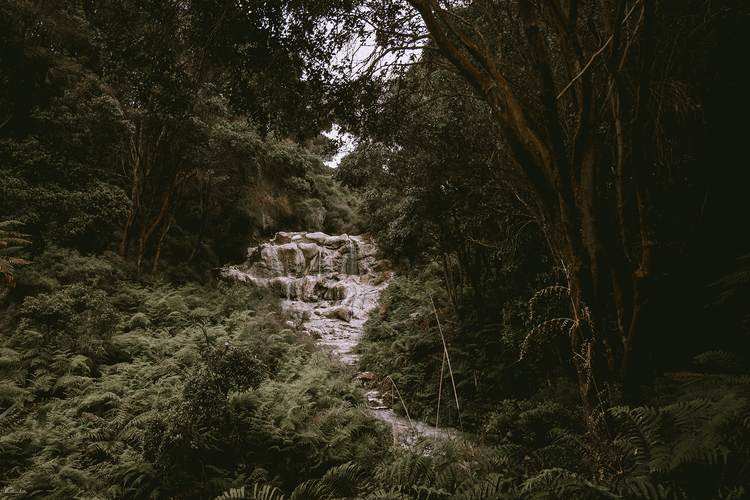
329	283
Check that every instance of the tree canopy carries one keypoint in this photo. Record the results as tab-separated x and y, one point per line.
605	118
559	186
149	118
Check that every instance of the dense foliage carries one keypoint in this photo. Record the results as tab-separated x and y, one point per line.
113	389
557	184
117	390
601	125
120	124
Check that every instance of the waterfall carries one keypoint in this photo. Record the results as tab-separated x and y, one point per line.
333	307
352	267
339	295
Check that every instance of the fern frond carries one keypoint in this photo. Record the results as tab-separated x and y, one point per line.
10	242
10	419
306	491
738	277
637	487
446	478
551	292
488	486
237	493
409	469
561	483
266	492
549	328
10	392
343	481
658	444
724	362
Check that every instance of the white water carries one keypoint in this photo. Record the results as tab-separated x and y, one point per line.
333	307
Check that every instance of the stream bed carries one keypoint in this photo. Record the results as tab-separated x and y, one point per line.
330	285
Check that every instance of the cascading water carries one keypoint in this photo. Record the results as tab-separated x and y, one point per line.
352	267
333	307
334	304
275	268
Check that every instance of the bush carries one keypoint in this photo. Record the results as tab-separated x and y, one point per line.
528	423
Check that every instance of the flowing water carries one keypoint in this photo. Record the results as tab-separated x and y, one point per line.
331	284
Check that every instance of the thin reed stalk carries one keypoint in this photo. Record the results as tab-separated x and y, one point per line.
402	401
447	356
440	394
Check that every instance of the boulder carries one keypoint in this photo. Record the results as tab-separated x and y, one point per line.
341	312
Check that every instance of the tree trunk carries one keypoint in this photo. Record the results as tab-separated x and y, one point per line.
585	161
161	242
448	282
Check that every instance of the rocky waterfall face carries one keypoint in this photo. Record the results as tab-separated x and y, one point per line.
329	283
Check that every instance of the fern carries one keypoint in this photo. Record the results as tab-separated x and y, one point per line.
491	485
549	329
724	362
551	292
561	484
10	242
265	492
410	469
662	448
732	282
343	481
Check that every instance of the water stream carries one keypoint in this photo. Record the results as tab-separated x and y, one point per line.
330	285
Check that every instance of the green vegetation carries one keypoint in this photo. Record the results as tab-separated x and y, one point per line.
559	185
10	243
118	390
122	131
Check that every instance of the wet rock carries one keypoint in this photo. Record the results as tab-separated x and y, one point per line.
317	238
330	283
309	250
341	312
336	241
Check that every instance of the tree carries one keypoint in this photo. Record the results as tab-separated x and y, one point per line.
175	68
595	106
426	184
57	140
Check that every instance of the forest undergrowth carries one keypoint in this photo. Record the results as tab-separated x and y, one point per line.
113	389
689	441
562	266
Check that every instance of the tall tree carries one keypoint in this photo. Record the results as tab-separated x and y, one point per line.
595	105
162	63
